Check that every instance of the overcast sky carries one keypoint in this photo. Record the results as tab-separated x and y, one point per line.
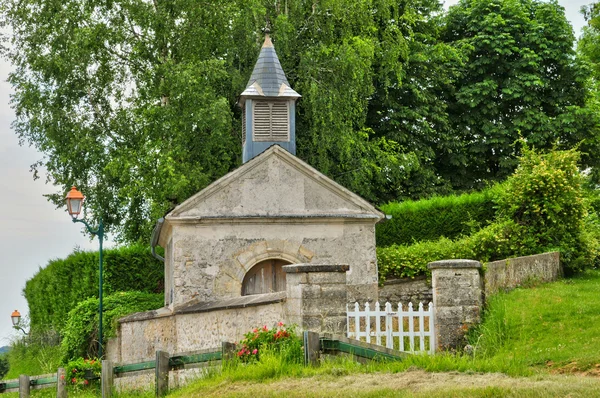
32	231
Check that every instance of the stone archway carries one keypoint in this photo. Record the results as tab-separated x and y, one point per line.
266	276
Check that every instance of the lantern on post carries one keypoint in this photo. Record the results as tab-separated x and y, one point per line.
15	317
74	201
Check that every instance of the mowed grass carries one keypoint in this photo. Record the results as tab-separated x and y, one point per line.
553	326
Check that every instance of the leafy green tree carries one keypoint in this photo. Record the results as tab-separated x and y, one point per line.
135	101
130	100
521	78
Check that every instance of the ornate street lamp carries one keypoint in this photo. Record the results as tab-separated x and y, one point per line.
74	205
16	321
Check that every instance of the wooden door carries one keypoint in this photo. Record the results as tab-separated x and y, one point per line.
265	277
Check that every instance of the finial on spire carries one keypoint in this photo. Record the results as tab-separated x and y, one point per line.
267	32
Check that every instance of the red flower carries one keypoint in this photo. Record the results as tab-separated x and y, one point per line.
255	330
74	370
265	328
73	380
280	324
86	382
255	351
62	377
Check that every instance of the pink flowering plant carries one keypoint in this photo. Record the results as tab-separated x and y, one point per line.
279	340
82	372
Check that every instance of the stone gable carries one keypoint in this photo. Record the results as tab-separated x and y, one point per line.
275	184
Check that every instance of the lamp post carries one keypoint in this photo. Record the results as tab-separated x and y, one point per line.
74	204
15	317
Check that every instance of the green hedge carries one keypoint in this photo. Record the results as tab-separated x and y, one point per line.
541	207
80	334
56	289
431	219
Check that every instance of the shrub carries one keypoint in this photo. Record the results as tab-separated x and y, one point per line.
81	331
279	340
56	289
541	207
399	261
431	219
545	196
83	373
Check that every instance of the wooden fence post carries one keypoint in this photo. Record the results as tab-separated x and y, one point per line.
162	373
107	378
61	383
24	386
227	350
312	346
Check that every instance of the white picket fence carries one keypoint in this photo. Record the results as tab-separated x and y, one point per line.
393	329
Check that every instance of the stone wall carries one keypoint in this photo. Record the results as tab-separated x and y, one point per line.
193	328
513	272
406	290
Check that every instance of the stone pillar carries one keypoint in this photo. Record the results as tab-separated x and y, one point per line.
457	300
317	297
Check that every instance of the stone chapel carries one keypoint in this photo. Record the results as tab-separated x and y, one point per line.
274	240
232	238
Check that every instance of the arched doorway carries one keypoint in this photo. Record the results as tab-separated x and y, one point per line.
265	277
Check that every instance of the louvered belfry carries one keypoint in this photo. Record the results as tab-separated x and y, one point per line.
268	106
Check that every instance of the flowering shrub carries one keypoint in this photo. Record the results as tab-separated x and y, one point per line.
280	340
83	372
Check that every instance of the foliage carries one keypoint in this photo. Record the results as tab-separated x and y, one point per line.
280	340
80	335
4	365
56	289
135	102
521	78
541	207
82	372
408	261
430	219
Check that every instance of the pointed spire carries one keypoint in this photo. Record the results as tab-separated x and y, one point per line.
268	78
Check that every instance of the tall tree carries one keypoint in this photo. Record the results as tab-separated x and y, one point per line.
521	78
135	101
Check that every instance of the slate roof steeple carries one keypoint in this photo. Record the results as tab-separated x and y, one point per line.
268	78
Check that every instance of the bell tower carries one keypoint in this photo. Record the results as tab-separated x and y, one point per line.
268	106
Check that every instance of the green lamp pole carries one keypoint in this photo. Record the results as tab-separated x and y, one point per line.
74	204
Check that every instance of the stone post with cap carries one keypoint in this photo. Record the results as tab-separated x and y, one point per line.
457	300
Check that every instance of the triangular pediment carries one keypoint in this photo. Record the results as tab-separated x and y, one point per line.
275	184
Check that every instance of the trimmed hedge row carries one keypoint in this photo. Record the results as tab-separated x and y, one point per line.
56	289
431	219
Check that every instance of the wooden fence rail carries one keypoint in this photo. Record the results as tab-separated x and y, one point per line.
313	344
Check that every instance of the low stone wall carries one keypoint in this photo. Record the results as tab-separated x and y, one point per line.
513	272
406	290
195	327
